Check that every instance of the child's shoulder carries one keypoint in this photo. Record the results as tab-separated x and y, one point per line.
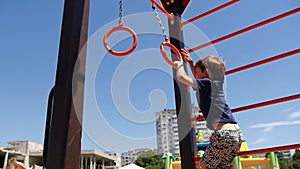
204	80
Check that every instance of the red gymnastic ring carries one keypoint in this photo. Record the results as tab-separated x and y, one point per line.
120	28
173	48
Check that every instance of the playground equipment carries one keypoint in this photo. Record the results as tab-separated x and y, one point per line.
73	39
200	137
166	42
120	27
240	162
169	158
231	35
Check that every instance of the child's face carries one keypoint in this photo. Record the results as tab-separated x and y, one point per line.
199	74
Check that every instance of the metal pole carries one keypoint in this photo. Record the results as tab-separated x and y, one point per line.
187	134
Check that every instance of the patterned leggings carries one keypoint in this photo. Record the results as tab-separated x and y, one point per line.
224	146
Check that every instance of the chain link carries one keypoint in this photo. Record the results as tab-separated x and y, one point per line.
120	13
160	22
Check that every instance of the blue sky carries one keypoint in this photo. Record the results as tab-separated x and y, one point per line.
123	93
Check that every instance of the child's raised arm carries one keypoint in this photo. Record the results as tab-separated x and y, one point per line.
186	56
181	75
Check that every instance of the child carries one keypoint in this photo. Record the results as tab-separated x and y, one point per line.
14	164
226	140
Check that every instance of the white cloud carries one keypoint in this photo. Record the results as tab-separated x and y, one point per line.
269	126
258	141
294	115
287	110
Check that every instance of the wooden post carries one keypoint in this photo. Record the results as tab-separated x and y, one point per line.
63	143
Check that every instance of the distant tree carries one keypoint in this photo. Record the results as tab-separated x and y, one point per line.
150	160
296	159
283	163
296	155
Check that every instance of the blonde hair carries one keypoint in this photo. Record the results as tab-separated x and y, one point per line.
214	65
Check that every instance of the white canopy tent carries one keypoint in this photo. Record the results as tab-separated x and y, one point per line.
132	166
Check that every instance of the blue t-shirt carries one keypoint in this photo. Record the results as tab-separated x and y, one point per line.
211	101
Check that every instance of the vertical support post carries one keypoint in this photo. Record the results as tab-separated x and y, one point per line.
95	162
237	162
26	159
276	161
5	159
91	162
65	130
85	162
81	162
187	134
272	157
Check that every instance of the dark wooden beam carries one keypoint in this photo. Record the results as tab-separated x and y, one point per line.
63	142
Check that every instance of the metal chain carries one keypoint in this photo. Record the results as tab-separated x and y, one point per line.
160	22
120	13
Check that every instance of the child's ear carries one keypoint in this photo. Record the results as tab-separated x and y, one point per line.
206	72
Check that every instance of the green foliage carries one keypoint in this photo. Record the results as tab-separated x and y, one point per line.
283	164
296	159
150	160
296	164
296	155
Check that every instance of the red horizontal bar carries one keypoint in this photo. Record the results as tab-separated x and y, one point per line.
200	118
246	29
281	56
257	105
266	103
210	12
162	9
267	150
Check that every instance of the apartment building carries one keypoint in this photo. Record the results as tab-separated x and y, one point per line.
130	156
167	130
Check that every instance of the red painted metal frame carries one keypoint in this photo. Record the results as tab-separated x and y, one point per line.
261	104
210	12
267	103
271	59
267	150
171	17
257	105
246	29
